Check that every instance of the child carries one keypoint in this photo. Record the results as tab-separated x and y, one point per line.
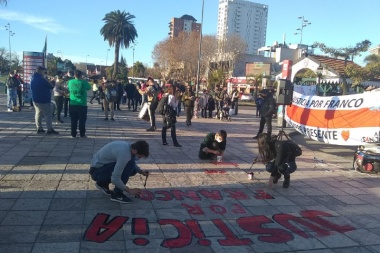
210	106
196	107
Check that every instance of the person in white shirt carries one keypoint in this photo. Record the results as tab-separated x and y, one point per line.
169	119
115	163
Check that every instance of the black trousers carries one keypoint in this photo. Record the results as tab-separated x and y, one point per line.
78	113
265	121
19	95
66	102
173	132
189	114
59	103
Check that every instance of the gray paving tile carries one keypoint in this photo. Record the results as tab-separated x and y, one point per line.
18	234
17	247
106	247
23	218
64	247
64	217
364	237
31	204
68	204
59	233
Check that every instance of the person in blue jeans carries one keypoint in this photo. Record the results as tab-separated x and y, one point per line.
115	163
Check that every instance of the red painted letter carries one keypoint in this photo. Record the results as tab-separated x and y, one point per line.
231	239
214	194
236	194
196	209
314	217
190	194
272	235
184	234
100	230
167	195
236	208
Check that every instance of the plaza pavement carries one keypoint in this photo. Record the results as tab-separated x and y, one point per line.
49	204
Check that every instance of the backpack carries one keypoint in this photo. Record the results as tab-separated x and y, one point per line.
162	105
295	149
111	93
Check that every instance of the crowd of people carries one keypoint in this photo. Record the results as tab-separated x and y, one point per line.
116	161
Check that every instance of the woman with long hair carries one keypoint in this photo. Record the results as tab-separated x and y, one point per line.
169	118
278	159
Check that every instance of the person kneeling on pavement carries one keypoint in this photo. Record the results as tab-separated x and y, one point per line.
278	159
213	145
115	163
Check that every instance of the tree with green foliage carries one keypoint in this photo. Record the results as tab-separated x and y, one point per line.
138	69
119	31
215	77
345	53
359	74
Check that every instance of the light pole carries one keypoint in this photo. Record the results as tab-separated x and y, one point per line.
107	56
101	63
200	49
86	64
133	58
304	23
10	33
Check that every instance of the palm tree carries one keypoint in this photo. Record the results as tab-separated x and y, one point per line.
119	31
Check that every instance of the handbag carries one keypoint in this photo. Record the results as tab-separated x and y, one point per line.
143	114
269	166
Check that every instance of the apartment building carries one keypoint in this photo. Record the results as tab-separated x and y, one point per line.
244	18
186	23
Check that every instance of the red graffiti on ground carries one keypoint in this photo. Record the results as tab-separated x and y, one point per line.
100	230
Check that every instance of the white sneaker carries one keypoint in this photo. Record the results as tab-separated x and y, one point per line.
10	110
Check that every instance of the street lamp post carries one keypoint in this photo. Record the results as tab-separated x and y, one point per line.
200	50
86	64
304	23
10	33
133	58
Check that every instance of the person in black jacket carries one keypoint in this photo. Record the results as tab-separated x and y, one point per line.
268	108
278	159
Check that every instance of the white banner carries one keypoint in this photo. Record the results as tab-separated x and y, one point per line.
341	120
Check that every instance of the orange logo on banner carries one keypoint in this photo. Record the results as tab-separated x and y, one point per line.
345	134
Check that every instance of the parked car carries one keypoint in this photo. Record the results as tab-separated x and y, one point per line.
246	97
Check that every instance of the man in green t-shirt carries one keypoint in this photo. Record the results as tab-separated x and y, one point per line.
78	103
213	145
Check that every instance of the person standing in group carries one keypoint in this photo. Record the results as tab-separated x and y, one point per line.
95	92
78	103
108	103
115	163
169	116
59	91
203	100
278	159
120	91
130	89
218	100
20	88
66	97
12	84
41	92
188	98
258	102
235	100
210	106
268	108
152	96
180	89
136	97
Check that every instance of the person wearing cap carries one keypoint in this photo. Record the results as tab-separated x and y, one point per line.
59	91
268	108
214	144
41	93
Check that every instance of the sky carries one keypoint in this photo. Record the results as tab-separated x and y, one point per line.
73	27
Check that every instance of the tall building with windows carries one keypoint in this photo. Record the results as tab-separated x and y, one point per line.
186	23
243	18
